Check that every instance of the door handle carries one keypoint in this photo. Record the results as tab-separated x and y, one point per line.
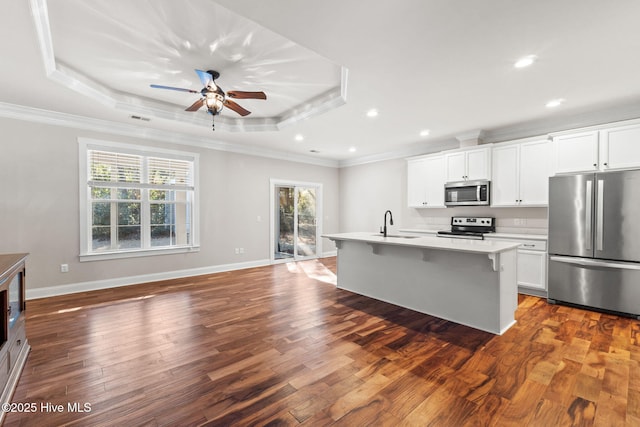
599	216
587	214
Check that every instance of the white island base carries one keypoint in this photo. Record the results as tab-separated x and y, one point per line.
468	282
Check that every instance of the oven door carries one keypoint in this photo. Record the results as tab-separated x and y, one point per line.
466	193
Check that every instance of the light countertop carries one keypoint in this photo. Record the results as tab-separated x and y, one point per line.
428	242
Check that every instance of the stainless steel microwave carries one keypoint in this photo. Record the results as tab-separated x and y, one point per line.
467	193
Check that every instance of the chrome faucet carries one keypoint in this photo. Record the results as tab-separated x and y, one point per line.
383	230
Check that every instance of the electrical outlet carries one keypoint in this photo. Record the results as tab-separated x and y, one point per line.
237	250
64	268
241	250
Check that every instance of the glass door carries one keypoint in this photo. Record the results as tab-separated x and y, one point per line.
295	221
285	223
306	235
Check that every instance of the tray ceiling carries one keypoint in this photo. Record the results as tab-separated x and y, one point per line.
103	49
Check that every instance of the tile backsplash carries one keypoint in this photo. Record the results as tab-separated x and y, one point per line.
508	220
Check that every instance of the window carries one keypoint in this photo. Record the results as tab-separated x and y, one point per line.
136	200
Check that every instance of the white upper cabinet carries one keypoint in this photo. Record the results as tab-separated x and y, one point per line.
599	150
536	166
620	147
425	182
520	173
456	165
468	164
577	152
505	171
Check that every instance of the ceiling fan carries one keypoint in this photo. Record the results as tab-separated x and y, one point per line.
213	97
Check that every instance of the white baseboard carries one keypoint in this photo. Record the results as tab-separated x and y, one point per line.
95	285
329	254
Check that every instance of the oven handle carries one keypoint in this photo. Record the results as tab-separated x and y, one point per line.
594	263
478	193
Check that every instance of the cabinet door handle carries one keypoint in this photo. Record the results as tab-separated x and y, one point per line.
526	245
595	164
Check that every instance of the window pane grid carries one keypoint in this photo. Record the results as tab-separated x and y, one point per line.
139	202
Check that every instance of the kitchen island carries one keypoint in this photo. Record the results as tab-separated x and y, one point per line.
471	282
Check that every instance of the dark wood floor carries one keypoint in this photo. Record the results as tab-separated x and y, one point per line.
280	345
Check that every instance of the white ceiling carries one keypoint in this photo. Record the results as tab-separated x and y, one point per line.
441	65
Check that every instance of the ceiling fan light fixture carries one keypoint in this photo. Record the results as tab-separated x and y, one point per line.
214	102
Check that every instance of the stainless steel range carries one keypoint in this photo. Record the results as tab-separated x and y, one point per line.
466	227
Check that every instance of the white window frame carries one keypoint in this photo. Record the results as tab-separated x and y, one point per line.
86	254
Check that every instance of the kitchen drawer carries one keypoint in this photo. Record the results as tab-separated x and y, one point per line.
533	245
528	244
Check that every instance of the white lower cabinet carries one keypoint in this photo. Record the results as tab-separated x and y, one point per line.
532	266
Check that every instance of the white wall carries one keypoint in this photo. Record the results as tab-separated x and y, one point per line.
366	191
39	211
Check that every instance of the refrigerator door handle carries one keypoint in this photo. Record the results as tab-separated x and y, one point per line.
587	215
595	263
599	216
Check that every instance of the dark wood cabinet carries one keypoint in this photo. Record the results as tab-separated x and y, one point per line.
14	348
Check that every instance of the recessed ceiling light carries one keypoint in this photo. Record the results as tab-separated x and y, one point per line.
372	113
352	149
525	61
299	137
554	103
425	132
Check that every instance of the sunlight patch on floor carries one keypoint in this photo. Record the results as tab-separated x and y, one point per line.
314	269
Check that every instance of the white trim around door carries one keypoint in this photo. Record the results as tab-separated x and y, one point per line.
275	183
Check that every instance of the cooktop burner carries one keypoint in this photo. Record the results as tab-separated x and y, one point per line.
465	227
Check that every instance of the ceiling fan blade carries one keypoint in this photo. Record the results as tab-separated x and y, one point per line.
235	107
174	88
196	105
205	78
239	94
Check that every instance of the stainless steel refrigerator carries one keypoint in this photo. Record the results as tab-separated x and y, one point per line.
594	240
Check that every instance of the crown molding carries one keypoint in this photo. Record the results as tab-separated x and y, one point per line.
413	150
565	122
19	112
